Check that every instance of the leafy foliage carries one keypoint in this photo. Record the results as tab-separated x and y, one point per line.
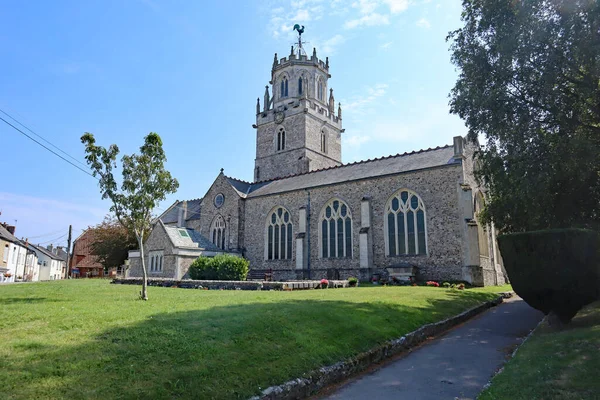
529	74
145	183
112	242
554	270
224	267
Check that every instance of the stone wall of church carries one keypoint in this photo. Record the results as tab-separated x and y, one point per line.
158	241
492	270
273	163
436	187
230	211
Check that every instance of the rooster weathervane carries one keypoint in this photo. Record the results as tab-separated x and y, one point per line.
300	32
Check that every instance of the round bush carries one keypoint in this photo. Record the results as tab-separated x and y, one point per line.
554	270
201	269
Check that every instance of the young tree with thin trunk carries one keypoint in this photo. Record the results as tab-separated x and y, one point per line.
145	183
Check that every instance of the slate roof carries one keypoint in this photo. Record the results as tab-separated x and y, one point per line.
440	156
6	235
193	211
46	252
243	188
194	240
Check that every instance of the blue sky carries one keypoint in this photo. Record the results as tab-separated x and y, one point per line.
191	71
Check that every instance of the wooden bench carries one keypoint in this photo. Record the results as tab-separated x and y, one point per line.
260	275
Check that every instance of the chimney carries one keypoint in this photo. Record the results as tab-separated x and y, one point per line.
50	248
459	142
9	228
182	214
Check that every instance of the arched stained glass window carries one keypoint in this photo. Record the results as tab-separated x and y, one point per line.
278	244
281	139
218	232
405	225
336	230
324	141
300	86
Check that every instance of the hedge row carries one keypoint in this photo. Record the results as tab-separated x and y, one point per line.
223	267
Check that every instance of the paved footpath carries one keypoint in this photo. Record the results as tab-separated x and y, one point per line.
454	366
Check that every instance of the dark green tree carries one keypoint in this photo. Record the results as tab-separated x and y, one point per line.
112	242
529	83
145	183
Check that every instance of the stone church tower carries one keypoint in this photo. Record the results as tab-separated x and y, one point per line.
298	129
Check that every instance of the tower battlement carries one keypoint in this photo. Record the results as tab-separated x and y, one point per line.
295	106
300	60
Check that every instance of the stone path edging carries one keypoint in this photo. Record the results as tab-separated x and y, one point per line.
313	381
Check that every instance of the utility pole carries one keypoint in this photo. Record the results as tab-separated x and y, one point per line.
68	253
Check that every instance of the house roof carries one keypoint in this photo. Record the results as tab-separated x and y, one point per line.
193	211
6	235
187	238
399	163
46	252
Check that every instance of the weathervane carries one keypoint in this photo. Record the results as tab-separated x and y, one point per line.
300	30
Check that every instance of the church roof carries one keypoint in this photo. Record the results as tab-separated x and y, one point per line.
189	238
399	163
193	211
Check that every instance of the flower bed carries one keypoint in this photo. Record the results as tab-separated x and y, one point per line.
231	285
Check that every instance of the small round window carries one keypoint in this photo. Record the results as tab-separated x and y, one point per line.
219	200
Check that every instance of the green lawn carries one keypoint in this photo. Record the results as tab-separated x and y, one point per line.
555	364
89	339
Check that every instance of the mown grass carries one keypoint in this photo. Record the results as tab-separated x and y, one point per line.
89	339
554	364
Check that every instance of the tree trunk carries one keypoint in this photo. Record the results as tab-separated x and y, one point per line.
144	292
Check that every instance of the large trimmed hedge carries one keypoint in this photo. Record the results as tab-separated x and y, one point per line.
224	267
554	270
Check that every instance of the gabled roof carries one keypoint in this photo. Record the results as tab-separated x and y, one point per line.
6	235
46	252
172	213
244	188
186	238
399	163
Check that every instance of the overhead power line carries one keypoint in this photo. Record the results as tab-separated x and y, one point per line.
42	138
46	234
54	240
45	147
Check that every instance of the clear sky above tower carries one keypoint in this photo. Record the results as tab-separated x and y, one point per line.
192	71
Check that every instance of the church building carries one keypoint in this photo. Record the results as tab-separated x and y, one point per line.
307	215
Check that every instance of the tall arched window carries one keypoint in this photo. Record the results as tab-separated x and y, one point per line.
323	141
405	226
284	87
320	90
281	139
336	230
300	86
482	232
218	232
278	244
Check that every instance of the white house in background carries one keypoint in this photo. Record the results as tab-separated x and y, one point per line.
32	266
51	261
14	254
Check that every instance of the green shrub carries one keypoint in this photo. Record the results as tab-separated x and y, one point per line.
223	267
446	284
352	281
554	270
